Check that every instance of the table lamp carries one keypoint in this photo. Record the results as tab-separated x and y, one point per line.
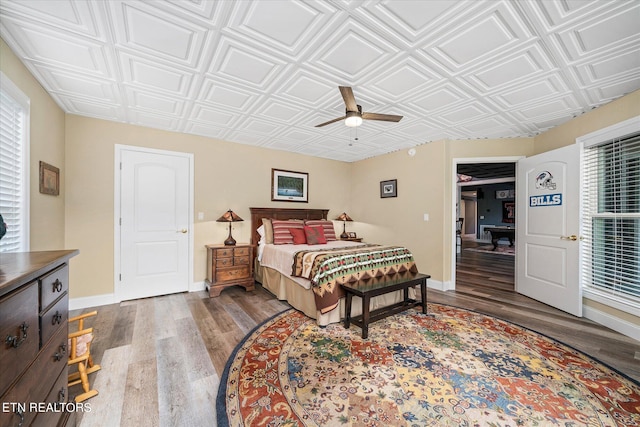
229	216
344	218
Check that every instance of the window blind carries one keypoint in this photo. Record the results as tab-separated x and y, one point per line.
611	219
13	168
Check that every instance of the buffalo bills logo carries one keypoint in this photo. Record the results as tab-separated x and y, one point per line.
545	180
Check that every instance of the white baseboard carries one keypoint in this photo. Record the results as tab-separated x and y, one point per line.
441	286
617	324
92	301
198	286
106	299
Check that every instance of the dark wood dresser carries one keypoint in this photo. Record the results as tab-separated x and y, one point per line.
229	266
34	312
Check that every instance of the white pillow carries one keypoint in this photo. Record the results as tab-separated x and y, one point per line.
261	231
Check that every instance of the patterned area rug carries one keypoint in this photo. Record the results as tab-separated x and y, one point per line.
501	249
458	368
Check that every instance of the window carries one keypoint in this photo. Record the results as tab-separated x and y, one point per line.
611	220
14	166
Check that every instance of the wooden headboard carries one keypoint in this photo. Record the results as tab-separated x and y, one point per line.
281	213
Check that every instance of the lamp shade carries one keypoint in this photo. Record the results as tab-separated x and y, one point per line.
344	217
229	216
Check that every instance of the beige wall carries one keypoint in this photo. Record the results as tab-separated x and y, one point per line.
424	186
614	112
47	144
227	176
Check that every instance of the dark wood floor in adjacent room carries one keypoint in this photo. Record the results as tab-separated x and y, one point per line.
162	358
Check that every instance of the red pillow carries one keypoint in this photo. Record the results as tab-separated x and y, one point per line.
299	236
315	235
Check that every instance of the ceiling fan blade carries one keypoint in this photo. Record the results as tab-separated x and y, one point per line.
349	99
330	121
383	117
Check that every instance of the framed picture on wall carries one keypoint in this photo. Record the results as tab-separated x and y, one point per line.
49	179
289	186
509	212
389	188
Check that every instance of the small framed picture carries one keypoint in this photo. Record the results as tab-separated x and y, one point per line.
49	179
389	188
352	235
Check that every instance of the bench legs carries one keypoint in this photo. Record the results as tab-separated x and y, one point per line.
347	314
366	313
365	316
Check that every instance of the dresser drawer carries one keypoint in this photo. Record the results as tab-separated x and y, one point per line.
241	252
53	285
19	333
54	318
224	253
232	273
38	380
59	394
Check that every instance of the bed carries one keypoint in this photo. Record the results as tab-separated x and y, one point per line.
275	263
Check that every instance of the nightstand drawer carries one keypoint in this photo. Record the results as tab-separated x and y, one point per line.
224	253
224	262
233	273
241	252
241	260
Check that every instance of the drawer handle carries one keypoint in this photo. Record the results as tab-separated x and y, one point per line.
57	318
16	342
57	286
62	395
60	353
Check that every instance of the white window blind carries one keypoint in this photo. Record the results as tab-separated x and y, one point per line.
611	219
14	171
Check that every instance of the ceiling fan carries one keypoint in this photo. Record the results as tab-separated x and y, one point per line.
354	115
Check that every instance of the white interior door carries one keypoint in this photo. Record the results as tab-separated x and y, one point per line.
155	206
547	233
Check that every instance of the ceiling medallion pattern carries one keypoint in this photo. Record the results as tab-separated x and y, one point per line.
264	73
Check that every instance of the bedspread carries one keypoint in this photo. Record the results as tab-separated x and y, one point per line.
328	269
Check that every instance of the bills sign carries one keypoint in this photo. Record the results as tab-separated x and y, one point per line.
544	182
546	200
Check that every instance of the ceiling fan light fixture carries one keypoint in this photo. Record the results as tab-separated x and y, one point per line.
353	119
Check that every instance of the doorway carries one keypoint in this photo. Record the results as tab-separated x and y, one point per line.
153	222
468	188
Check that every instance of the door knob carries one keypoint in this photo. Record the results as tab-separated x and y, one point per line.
572	237
183	231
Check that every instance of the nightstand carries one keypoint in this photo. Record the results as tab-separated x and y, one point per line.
229	266
352	239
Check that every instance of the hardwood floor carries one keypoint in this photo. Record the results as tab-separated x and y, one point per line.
162	358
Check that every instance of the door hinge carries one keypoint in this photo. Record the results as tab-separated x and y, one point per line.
120	221
120	277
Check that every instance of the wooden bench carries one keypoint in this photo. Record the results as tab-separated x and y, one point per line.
368	288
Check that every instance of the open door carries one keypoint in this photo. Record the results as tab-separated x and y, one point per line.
547	235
